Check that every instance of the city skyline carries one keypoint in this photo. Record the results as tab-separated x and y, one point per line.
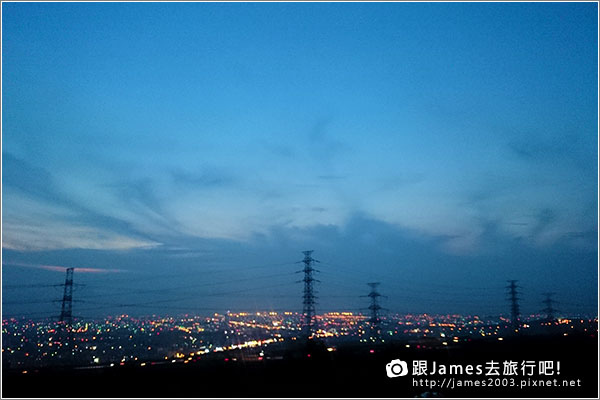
181	156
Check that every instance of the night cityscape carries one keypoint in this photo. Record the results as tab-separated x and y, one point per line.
125	340
299	200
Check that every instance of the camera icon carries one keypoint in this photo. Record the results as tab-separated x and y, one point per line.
396	368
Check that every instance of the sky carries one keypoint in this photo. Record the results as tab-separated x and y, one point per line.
181	156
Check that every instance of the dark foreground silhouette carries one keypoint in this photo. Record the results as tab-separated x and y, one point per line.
349	371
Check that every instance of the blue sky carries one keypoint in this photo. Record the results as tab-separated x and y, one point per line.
447	144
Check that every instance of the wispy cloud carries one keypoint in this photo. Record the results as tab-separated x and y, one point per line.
39	214
58	268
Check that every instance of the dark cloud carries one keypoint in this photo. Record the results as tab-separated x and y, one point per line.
39	184
544	218
207	177
584	234
280	150
566	150
31	180
401	181
332	177
416	275
540	149
141	191
322	146
142	197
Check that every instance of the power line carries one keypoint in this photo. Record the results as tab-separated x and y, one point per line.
34	285
143	304
194	286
